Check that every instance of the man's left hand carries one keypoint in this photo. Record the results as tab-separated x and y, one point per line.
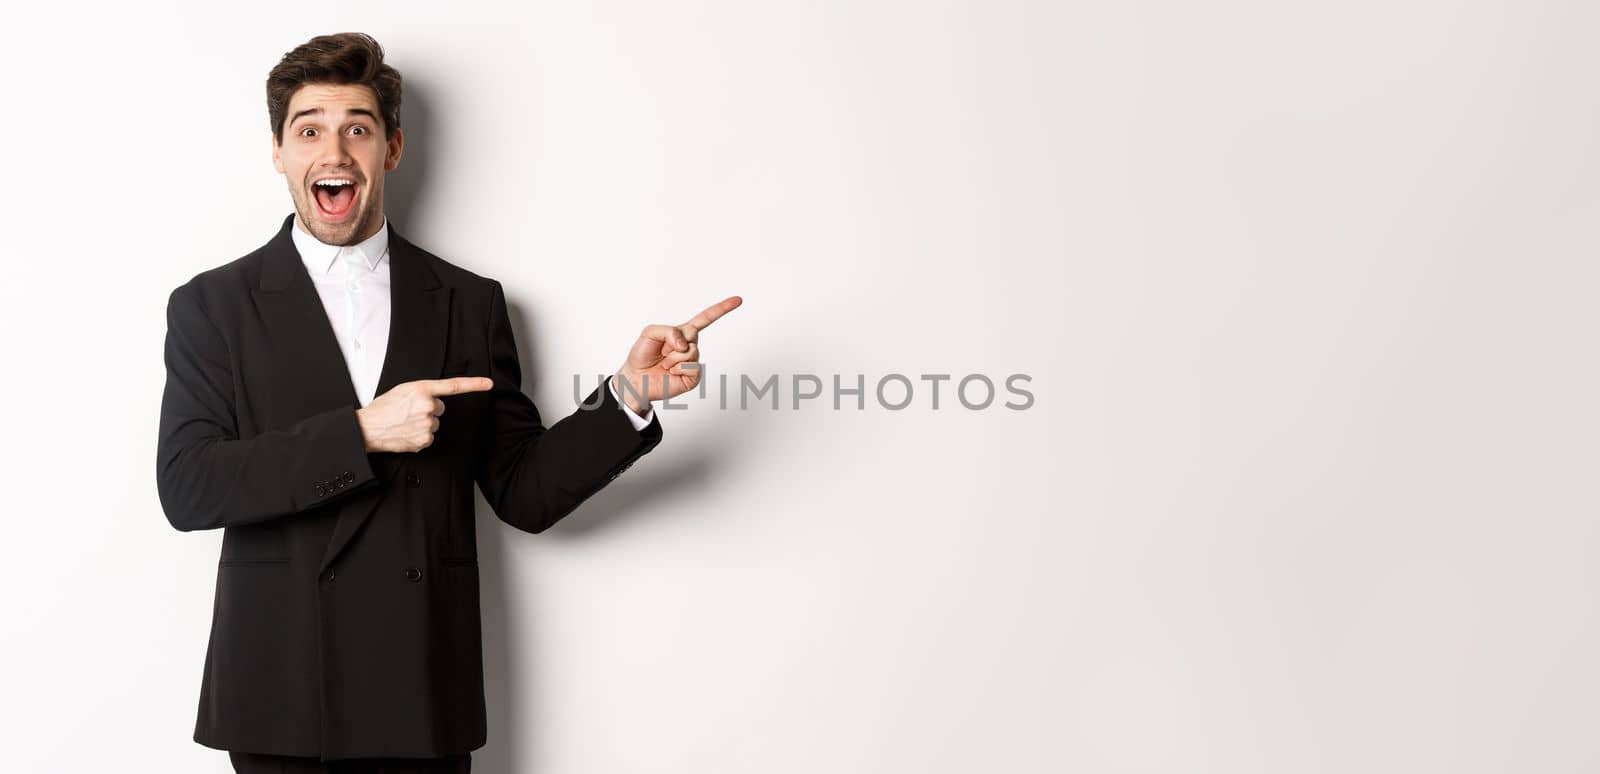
655	363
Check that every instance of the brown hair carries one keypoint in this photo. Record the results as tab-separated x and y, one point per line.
345	58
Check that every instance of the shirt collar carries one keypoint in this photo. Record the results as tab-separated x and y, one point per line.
319	256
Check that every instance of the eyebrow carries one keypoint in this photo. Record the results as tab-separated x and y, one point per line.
317	111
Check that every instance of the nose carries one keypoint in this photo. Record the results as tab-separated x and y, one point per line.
335	154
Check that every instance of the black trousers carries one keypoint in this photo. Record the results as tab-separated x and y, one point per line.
264	763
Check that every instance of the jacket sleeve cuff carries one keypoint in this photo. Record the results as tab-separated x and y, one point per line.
639	422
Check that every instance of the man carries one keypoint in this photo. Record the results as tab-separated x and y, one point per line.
330	399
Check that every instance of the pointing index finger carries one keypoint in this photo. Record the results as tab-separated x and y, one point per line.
456	385
713	312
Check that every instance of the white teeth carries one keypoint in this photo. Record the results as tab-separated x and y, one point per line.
335	181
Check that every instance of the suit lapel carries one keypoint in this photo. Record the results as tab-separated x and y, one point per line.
419	317
314	376
304	344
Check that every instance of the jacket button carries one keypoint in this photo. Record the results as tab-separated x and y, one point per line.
413	480
321	490
327	576
349	478
413	574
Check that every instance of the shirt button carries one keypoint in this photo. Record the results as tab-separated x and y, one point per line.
413	480
413	574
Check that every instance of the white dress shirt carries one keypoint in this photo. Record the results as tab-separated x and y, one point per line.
353	282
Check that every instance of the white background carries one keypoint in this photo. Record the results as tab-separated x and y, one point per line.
1306	291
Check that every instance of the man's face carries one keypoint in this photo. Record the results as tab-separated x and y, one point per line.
335	133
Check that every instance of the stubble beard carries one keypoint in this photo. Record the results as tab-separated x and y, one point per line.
334	233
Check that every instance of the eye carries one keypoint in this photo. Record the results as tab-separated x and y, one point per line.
361	129
306	129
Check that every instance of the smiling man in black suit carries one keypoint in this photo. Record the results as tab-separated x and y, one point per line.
330	399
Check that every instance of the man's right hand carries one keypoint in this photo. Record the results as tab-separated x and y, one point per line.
405	418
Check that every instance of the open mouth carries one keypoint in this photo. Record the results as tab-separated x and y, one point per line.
335	197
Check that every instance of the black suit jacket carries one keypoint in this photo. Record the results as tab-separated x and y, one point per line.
346	620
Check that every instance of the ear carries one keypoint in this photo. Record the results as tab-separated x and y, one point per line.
396	143
277	161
